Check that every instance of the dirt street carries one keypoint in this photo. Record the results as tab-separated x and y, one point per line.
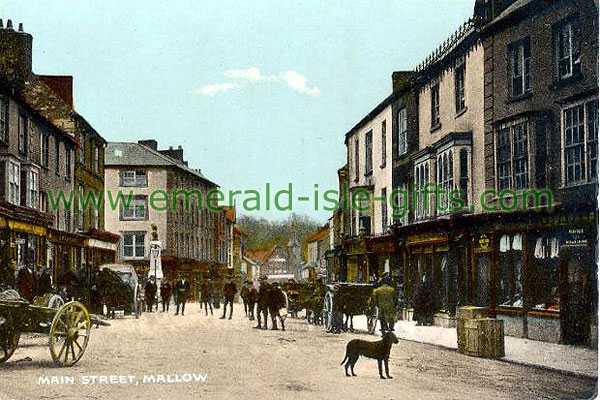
163	356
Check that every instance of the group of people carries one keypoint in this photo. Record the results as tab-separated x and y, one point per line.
179	289
268	299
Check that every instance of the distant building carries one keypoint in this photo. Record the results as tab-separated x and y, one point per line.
317	245
275	263
192	237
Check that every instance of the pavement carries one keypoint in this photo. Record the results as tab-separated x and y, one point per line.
573	360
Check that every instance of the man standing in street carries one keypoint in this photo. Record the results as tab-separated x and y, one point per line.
385	301
229	291
244	292
262	308
252	299
165	294
182	288
206	296
150	294
276	302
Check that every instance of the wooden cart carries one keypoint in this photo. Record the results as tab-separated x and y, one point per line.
346	300
68	327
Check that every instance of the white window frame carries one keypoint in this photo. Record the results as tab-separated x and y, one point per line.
511	127
402	131
460	98
435	105
134	178
587	177
522	71
44	149
33	188
14	183
137	210
570	25
137	243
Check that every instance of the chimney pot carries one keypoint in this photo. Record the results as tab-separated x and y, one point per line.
179	147
1	24
20	27
170	147
9	24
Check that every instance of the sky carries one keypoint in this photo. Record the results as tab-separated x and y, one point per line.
256	92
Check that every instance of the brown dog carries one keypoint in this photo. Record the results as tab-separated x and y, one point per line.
379	350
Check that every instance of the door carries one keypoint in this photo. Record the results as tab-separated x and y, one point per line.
576	296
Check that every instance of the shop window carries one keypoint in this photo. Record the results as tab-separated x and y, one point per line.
510	271
545	293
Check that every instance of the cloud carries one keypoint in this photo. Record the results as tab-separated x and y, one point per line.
253	75
298	82
215	88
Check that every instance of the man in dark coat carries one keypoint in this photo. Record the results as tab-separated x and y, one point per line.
262	308
244	292
182	289
150	293
276	301
229	291
252	299
165	294
206	296
385	300
26	283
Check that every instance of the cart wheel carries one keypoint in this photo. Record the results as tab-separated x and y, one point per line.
328	312
9	340
69	334
55	301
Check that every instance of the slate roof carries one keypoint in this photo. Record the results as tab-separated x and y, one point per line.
137	155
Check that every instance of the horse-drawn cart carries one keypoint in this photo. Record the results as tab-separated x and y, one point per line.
347	300
68	326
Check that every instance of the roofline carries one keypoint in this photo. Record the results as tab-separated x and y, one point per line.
166	158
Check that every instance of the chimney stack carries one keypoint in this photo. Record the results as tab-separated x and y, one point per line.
150	143
15	52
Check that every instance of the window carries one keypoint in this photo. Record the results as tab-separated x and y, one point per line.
136	209
464	176
43	202
96	219
568	50
23	134
402	132
3	119
435	105
67	220
520	60
80	213
96	159
459	87
82	149
68	153
369	153
134	245
133	178
580	131
356	160
512	157
45	139
14	181
384	211
510	269
383	143
445	181
421	180
57	155
33	189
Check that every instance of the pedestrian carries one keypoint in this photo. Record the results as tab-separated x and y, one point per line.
206	296
45	282
229	291
385	300
150	293
26	283
244	295
262	308
182	289
276	301
217	292
252	299
165	294
423	303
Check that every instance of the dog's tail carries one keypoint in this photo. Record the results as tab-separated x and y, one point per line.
345	358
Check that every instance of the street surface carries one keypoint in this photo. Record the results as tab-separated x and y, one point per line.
163	356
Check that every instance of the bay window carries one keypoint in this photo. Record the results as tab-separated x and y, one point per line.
14	182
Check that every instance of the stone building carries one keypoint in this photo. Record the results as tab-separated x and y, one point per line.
38	142
164	192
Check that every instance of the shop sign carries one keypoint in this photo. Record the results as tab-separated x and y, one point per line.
576	238
484	241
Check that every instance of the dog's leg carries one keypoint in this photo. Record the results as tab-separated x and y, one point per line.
346	368
352	363
379	367
387	367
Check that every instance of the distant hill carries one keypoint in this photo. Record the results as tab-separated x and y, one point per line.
264	234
